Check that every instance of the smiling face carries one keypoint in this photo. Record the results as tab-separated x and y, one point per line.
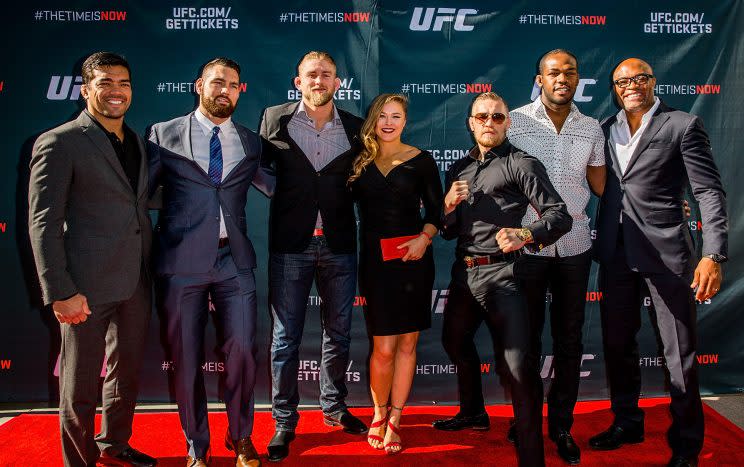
558	78
317	81
108	93
219	90
489	134
390	123
635	97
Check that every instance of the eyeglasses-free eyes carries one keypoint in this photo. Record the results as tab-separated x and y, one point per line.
498	118
639	79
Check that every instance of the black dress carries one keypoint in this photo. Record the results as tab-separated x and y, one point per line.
398	293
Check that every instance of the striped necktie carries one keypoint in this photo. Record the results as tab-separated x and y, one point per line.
215	157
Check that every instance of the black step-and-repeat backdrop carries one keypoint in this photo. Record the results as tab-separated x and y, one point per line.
439	53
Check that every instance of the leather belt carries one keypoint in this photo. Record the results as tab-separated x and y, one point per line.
223	242
473	261
317	232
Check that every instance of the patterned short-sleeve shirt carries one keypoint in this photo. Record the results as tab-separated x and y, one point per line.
565	155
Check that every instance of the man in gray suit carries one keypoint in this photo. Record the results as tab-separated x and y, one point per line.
205	163
644	244
90	234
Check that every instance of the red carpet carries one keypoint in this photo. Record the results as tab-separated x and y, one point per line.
31	440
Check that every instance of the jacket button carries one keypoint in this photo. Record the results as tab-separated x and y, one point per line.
137	232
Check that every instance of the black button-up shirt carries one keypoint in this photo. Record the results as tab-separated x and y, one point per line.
501	187
127	151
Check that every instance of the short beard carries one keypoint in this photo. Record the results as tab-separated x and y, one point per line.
319	100
216	110
489	141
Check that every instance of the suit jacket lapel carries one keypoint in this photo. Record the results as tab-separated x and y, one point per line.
186	136
283	133
657	121
101	141
142	179
606	129
353	137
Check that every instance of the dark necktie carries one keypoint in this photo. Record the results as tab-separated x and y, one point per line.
215	157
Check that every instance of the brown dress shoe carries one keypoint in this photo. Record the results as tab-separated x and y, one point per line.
195	462
245	453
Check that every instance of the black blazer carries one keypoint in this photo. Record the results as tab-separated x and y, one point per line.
301	190
673	151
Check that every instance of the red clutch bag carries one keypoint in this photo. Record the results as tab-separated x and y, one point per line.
389	247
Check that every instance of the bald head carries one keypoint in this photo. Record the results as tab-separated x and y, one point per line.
633	83
631	63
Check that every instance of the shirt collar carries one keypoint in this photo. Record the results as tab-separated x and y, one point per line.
207	125
538	110
302	112
501	150
623	119
110	134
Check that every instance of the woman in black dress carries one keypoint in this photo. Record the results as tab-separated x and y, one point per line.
391	180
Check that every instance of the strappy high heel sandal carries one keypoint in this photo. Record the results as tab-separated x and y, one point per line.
394	447
381	423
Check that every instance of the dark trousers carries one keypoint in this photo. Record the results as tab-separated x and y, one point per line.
567	278
489	294
116	330
292	276
233	293
674	304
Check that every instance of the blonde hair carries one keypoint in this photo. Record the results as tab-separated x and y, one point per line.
315	55
371	147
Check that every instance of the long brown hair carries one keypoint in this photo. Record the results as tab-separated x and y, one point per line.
369	137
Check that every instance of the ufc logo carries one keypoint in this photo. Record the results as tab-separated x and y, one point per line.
439	16
578	97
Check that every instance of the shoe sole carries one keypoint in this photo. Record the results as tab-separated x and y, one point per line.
474	428
334	423
638	441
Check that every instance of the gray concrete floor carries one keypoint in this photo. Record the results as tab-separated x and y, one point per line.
730	406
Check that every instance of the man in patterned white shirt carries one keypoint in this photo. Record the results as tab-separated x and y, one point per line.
571	146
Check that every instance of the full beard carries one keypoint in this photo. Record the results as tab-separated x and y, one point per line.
215	109
320	99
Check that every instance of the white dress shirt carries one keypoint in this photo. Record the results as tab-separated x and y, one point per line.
232	149
565	156
620	137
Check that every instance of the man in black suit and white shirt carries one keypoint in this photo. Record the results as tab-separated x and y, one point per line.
643	243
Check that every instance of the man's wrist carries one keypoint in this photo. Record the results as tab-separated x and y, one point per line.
716	258
525	235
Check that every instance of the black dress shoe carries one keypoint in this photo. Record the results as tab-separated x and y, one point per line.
345	419
567	448
278	447
679	461
131	457
511	434
459	422
615	437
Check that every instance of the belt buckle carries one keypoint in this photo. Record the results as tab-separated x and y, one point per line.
469	261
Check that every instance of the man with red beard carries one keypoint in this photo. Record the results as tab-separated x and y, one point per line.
205	162
488	193
312	237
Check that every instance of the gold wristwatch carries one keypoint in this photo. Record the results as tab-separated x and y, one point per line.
525	235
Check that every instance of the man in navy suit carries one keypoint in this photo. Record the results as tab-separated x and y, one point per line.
644	244
205	164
